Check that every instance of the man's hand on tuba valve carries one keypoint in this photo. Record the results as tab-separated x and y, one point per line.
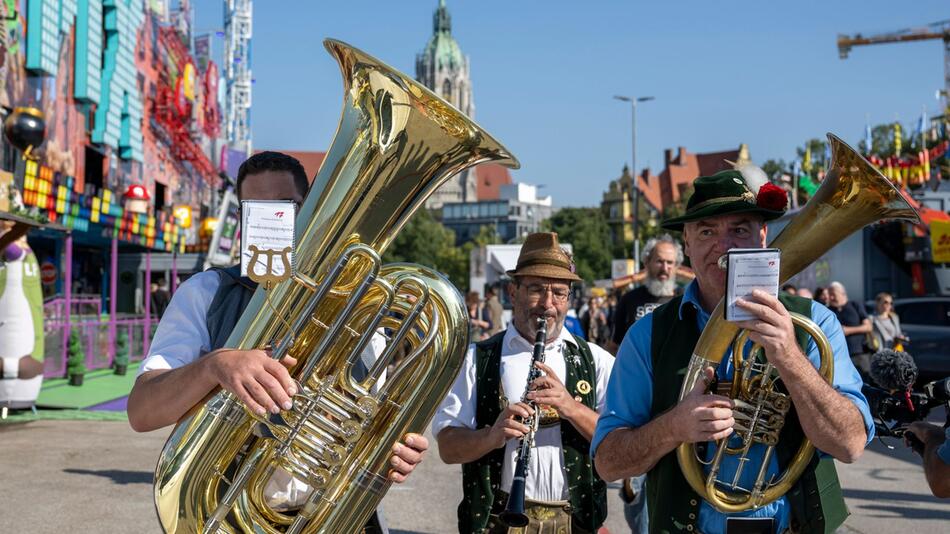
406	456
702	417
260	382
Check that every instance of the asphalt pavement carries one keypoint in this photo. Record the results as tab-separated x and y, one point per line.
96	476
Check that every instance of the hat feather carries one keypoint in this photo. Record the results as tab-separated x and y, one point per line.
753	175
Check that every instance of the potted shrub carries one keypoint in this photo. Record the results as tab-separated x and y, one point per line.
76	359
121	361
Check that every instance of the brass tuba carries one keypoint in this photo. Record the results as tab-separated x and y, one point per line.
852	195
396	143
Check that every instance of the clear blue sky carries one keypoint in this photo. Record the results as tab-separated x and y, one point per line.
544	73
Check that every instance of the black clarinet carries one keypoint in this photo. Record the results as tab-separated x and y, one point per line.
514	516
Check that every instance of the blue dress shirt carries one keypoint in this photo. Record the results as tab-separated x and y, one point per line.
944	451
630	398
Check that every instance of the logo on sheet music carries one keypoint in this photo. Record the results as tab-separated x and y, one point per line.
772	263
279	214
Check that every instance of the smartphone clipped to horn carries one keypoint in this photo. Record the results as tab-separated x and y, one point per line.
748	269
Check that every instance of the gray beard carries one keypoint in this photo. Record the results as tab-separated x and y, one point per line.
659	288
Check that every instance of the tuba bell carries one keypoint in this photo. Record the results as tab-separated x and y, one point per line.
852	195
396	143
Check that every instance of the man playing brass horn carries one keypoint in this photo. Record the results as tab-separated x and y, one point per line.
187	358
479	424
644	422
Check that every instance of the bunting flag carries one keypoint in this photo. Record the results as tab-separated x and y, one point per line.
921	124
806	159
897	139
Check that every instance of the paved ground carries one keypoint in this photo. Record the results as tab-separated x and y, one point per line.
96	476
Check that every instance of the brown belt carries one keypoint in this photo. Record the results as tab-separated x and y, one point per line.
545	517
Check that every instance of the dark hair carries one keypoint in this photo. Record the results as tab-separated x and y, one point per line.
274	161
787	287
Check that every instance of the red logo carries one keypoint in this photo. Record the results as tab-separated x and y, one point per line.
772	263
279	214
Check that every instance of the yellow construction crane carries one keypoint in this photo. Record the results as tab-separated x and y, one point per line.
937	30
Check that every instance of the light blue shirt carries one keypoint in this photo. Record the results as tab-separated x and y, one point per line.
630	399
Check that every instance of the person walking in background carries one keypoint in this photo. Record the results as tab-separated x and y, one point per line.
160	297
661	256
478	322
886	324
495	310
821	295
855	324
595	323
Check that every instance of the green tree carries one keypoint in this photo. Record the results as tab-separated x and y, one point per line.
75	355
818	160
121	361
774	169
487	235
587	231
425	241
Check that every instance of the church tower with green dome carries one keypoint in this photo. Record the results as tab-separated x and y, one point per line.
444	69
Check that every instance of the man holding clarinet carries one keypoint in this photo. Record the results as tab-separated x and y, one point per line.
483	425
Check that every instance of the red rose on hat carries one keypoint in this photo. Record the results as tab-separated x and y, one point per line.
771	197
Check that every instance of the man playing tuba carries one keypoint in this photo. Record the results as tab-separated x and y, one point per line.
644	422
479	424
187	358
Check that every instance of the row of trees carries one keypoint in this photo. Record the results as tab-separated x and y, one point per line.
426	241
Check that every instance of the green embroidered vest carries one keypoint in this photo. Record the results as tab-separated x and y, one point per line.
481	479
815	501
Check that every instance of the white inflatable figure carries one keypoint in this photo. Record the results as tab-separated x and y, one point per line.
21	327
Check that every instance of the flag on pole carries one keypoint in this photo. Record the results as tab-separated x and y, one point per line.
806	159
897	139
922	124
867	138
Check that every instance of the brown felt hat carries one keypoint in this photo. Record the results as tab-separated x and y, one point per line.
541	255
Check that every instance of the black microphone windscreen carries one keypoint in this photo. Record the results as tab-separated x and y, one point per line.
893	370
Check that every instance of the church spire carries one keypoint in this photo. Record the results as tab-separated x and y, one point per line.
441	20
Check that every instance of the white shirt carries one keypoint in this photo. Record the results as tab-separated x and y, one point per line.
182	335
545	480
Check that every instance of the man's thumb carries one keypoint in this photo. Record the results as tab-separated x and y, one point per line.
702	383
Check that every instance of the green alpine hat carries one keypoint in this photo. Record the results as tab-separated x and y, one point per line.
727	192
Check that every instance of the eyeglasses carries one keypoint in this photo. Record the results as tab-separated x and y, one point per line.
537	292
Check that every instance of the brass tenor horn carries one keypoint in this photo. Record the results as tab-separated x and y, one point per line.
396	143
852	195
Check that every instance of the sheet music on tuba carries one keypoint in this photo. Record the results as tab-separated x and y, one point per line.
266	226
749	269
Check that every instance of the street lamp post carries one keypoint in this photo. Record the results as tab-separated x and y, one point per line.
636	177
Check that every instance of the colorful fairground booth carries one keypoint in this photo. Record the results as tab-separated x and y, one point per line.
112	149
